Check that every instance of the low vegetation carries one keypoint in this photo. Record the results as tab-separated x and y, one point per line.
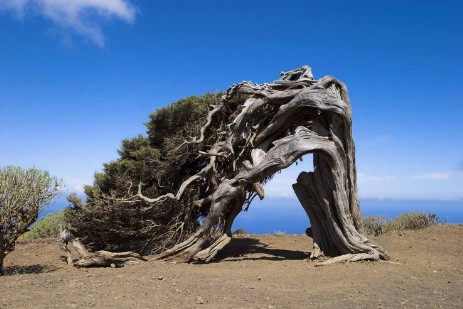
46	227
408	221
413	221
376	224
23	194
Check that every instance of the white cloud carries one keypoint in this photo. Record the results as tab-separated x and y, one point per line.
362	177
436	185
281	185
75	185
433	176
16	6
379	140
82	17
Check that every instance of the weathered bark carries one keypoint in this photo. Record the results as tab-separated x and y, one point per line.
96	259
106	258
278	124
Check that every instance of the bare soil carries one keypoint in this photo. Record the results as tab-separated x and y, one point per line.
254	271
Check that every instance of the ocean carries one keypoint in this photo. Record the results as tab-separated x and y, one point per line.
287	215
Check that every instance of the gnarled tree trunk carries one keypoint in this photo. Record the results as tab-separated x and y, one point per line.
278	124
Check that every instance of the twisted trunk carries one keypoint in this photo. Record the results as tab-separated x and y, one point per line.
278	124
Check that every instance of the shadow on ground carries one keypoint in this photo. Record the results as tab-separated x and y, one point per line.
28	269
249	249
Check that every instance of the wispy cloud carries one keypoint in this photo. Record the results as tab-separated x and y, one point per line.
82	17
15	6
75	185
433	176
367	177
379	140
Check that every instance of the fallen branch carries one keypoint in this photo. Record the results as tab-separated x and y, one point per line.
96	259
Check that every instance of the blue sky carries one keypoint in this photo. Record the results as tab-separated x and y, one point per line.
78	76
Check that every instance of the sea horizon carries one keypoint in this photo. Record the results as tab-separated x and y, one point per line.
287	215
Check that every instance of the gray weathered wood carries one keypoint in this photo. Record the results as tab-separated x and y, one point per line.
278	124
96	259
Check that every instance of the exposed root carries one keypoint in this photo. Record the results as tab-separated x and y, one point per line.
374	256
316	252
185	251
106	258
207	254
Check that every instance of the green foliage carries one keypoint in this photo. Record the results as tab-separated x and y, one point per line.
46	227
23	193
184	116
160	165
409	221
375	224
279	233
412	221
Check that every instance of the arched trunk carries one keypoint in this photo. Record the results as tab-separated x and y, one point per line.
277	125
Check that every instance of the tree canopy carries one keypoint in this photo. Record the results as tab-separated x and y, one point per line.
178	190
107	221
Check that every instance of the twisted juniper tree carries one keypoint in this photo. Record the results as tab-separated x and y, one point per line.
249	134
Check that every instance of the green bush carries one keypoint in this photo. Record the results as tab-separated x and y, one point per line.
279	233
46	227
412	221
23	194
408	221
159	162
375	224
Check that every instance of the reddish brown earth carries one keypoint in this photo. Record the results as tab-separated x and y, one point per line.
255	271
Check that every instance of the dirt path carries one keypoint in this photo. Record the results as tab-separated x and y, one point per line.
255	271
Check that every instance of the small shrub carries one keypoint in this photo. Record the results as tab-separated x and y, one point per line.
279	233
239	232
412	221
23	194
46	227
375	225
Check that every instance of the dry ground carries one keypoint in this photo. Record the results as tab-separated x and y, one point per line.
255	271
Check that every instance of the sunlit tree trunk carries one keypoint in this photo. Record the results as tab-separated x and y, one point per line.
278	124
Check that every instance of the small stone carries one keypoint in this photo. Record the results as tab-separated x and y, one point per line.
113	265
199	300
160	278
260	278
